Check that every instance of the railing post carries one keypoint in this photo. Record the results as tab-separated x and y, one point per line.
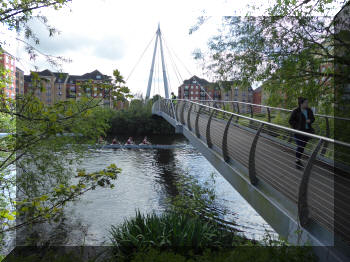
174	109
196	124
209	143
237	112
325	145
252	170
303	212
268	115
188	118
182	113
176	113
224	140
251	111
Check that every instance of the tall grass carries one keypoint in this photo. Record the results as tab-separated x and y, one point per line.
170	230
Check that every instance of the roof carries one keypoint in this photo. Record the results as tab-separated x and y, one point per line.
72	78
45	73
60	76
94	75
199	80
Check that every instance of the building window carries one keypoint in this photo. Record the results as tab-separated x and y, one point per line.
98	77
186	88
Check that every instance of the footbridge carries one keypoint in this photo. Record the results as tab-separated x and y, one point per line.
257	157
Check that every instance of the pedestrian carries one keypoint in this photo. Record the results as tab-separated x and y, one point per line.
173	98
301	119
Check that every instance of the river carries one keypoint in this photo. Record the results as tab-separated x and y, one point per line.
148	177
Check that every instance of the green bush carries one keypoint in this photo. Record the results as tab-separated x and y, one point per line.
137	120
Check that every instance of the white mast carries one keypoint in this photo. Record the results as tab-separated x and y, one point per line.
165	79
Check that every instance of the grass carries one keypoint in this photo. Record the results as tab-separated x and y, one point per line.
170	230
177	237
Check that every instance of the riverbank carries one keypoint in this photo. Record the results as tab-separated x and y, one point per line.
138	120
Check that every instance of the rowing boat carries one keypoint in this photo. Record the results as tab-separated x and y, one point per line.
116	146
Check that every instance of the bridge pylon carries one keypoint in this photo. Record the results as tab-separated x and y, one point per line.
165	79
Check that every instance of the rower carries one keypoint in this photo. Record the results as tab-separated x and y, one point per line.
114	141
145	141
130	141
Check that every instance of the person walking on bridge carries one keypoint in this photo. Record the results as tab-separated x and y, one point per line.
173	97
301	119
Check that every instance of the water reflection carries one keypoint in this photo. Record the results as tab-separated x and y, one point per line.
148	178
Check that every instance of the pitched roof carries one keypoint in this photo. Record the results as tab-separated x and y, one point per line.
45	73
94	75
60	77
200	81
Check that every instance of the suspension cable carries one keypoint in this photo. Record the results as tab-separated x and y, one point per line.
177	72
140	58
188	71
201	88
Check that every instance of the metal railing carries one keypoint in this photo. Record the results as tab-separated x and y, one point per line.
260	149
324	124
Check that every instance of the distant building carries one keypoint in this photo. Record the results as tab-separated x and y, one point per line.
8	62
62	86
257	99
19	81
195	88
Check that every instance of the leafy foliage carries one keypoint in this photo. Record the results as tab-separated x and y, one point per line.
43	151
138	120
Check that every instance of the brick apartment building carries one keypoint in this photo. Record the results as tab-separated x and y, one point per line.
19	81
62	86
8	62
197	88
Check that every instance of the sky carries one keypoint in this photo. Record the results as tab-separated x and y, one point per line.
109	34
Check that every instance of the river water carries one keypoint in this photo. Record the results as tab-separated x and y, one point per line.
147	179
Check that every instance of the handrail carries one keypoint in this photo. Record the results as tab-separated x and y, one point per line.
273	165
264	106
269	124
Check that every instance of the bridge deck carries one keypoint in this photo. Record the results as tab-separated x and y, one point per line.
275	162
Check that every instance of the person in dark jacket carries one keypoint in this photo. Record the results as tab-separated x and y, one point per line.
301	119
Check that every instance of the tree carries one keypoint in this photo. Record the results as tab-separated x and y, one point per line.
283	51
37	156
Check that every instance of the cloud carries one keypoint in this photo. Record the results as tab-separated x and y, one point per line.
110	47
